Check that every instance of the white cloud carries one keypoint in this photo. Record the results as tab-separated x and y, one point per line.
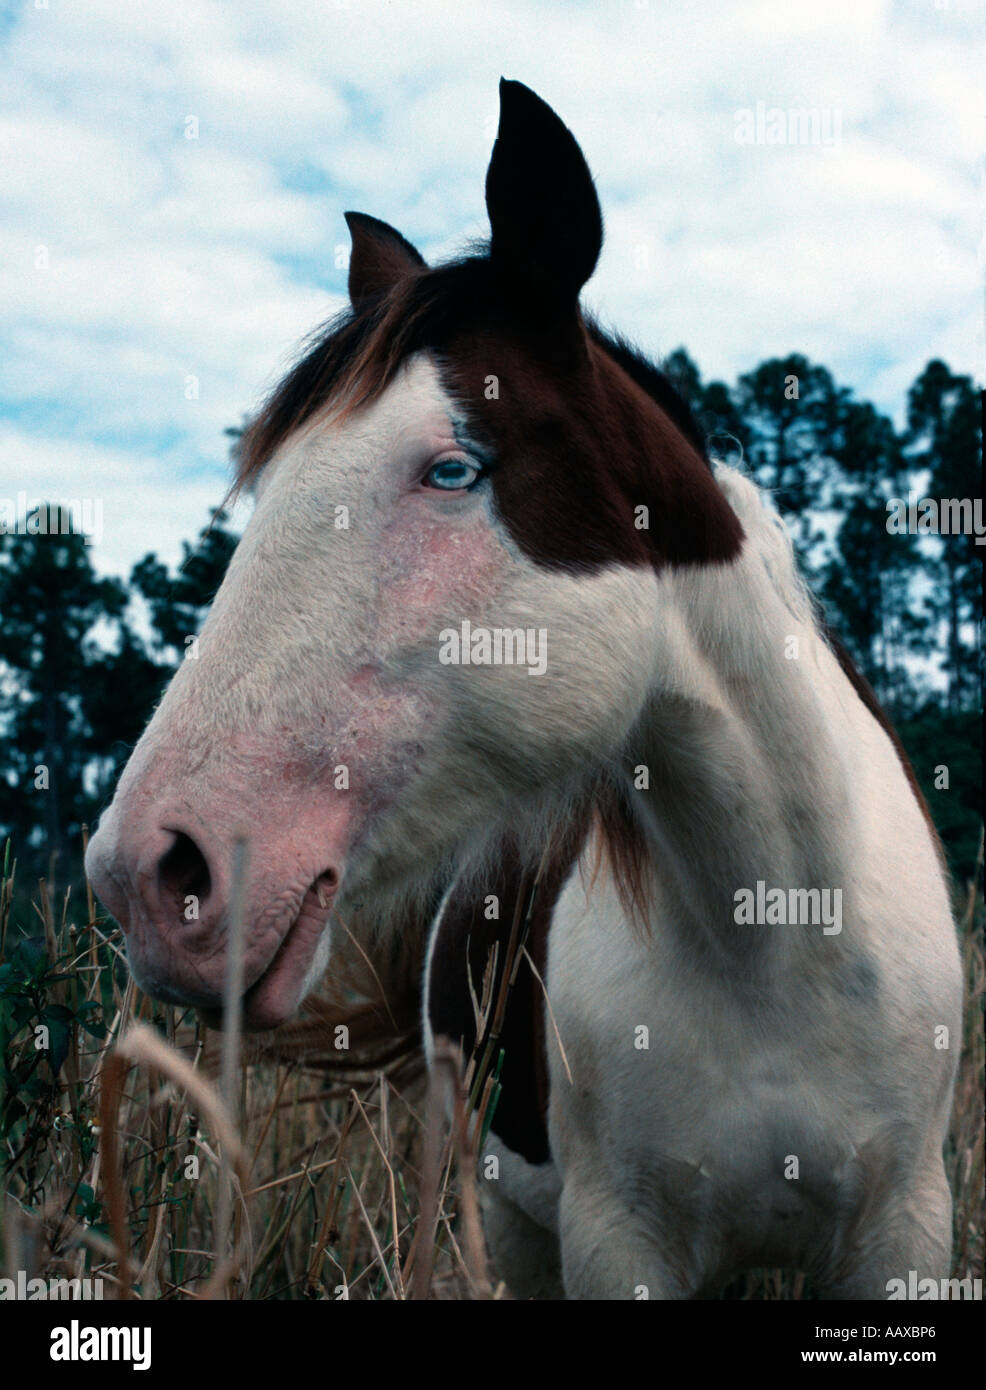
171	258
142	505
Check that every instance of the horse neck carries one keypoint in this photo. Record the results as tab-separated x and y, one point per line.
745	737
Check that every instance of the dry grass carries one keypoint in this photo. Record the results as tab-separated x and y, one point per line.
300	1168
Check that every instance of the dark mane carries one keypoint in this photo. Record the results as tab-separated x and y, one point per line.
357	354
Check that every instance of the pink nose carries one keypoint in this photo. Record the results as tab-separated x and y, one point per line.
172	907
169	885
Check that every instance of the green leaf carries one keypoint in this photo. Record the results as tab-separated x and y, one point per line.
29	955
59	1035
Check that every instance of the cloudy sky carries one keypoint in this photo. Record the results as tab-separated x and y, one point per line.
174	177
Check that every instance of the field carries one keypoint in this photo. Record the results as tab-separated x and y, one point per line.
177	1163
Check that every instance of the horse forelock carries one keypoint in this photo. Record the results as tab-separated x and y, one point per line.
597	458
351	360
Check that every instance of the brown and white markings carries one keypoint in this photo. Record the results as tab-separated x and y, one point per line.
463	466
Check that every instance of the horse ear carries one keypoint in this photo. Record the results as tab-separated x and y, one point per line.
544	214
379	258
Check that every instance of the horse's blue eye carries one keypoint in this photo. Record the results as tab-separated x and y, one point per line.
451	475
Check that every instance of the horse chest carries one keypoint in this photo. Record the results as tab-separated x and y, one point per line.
744	1128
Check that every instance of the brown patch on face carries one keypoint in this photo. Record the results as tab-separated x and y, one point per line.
578	447
576	443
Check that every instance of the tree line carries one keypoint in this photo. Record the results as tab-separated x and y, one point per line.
85	658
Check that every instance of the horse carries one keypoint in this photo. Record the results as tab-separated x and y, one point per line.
502	644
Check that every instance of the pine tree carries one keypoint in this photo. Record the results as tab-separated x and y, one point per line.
178	603
50	599
713	405
944	438
870	579
790	409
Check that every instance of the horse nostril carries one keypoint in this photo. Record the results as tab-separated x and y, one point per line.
326	885
183	873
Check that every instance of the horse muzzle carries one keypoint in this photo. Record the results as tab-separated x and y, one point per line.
169	882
